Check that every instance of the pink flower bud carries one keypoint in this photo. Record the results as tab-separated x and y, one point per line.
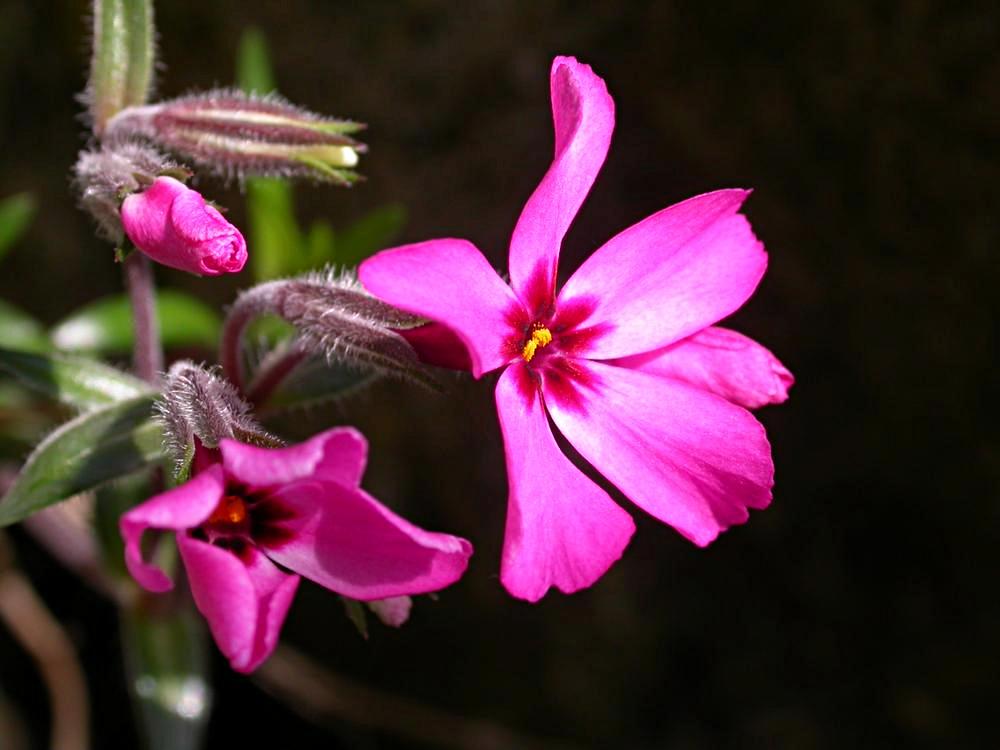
172	224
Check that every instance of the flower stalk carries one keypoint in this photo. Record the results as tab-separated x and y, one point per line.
147	357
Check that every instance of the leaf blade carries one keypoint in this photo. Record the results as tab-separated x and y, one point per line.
83	453
77	381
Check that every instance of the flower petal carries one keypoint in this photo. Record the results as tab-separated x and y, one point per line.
672	274
689	458
584	117
181	508
337	455
244	598
450	282
345	540
562	529
438	345
724	362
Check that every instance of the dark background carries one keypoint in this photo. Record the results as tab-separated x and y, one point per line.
861	609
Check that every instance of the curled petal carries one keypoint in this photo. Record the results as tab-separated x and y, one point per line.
449	281
724	362
438	345
562	529
244	598
685	456
583	114
181	508
672	274
337	455
345	540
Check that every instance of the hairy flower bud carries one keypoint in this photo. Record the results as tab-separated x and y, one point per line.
172	224
239	135
198	403
335	318
105	176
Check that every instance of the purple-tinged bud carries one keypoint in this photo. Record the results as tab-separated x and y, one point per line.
172	224
241	135
105	176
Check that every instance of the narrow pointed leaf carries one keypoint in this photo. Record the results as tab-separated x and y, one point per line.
81	454
18	330
105	325
16	213
369	234
253	64
76	381
313	384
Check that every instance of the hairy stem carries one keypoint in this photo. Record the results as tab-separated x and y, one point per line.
147	356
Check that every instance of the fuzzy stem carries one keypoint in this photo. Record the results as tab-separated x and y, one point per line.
147	352
272	373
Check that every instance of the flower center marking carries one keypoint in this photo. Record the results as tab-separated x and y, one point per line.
230	512
540	336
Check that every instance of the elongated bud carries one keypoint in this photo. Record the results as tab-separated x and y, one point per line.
199	403
334	317
106	176
241	135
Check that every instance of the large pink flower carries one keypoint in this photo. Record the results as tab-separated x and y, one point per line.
172	224
622	359
300	507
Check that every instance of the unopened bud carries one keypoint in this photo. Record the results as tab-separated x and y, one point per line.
199	403
240	135
172	224
106	176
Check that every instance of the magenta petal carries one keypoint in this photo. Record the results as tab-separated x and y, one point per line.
584	117
438	345
337	455
562	529
686	456
724	362
244	601
672	274
181	508
449	281
345	540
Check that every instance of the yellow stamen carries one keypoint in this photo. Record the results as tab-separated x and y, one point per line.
541	336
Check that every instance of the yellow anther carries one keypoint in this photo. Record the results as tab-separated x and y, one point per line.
231	511
541	336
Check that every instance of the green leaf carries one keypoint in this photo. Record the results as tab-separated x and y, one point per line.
369	234
106	326
112	500
18	330
121	68
77	381
166	660
16	213
315	383
274	232
253	63
357	615
96	446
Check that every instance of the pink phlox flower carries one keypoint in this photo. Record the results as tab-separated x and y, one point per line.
624	360
172	224
302	508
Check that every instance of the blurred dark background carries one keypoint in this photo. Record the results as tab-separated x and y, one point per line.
861	609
